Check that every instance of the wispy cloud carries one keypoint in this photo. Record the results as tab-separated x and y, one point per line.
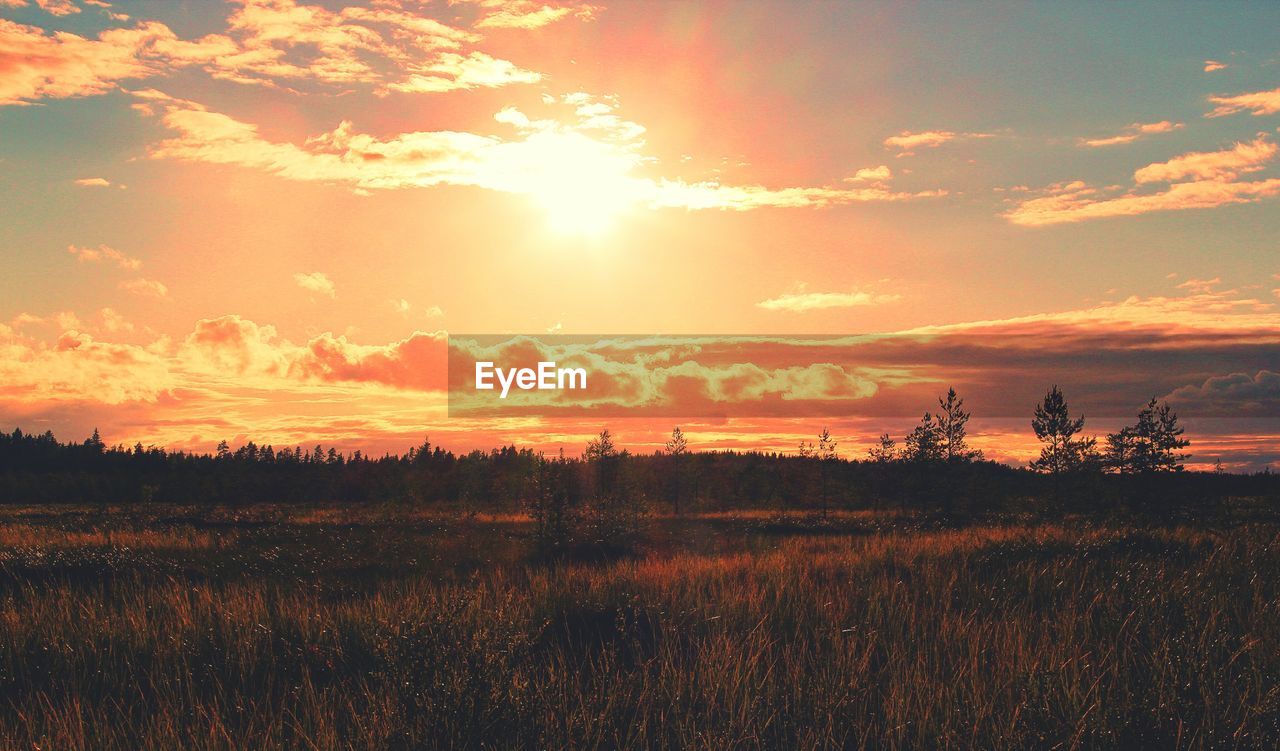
803	300
907	142
526	14
315	282
1257	102
592	157
1209	179
276	43
104	253
871	174
1211	66
145	287
1132	133
95	182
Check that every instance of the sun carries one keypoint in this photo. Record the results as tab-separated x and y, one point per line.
583	185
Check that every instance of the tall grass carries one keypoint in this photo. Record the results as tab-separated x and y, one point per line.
1042	636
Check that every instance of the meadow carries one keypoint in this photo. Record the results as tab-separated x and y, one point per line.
326	627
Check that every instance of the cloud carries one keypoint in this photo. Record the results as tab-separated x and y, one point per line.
871	174
77	368
35	65
1213	65
1236	392
590	160
94	182
268	43
1200	286
1211	165
104	253
1211	179
452	71
803	301
234	344
145	287
237	379
315	282
1257	102
907	141
58	7
1132	133
240	346
525	14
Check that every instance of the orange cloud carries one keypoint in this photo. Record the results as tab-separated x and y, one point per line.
589	161
104	253
1211	66
802	301
525	14
907	141
1132	133
1257	102
267	42
35	65
1213	181
871	174
145	287
1211	165
58	7
236	379
315	282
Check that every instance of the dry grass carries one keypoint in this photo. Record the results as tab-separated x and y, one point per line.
1042	636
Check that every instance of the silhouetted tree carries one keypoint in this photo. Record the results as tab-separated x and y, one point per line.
825	453
677	448
951	421
885	450
551	503
1149	446
924	443
1055	427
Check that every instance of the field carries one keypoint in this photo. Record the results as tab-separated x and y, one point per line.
373	628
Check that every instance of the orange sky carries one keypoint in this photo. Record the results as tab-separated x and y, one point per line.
260	219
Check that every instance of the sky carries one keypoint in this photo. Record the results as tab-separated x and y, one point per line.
261	219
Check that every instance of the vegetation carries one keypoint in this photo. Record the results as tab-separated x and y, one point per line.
337	627
922	598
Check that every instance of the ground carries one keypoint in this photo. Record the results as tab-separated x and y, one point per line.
379	627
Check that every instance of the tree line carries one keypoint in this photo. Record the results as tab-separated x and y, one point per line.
932	468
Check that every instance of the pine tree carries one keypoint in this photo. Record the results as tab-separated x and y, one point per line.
924	443
1055	427
1149	446
677	448
951	429
885	450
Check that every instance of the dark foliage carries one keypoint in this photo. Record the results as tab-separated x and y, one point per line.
39	469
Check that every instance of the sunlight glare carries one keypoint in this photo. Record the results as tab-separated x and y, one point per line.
583	185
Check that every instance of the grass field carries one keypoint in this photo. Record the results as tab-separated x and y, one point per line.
330	628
